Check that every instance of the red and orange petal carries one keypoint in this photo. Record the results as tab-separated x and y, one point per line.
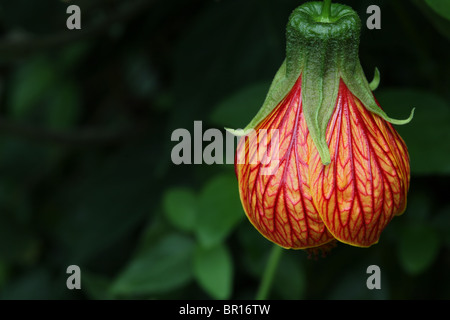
366	183
280	205
305	204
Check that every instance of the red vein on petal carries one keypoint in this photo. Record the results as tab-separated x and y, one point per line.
272	203
354	194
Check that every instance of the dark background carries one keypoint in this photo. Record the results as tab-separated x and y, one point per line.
86	176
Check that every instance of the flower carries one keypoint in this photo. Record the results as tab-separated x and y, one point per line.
342	171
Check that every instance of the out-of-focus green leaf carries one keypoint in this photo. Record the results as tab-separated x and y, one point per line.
96	286
213	269
441	7
418	248
180	206
219	210
239	109
42	92
164	267
427	135
441	23
156	228
30	82
63	107
73	54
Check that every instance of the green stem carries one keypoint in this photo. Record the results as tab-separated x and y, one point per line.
269	273
325	16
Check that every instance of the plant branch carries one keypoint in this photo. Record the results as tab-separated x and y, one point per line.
325	16
267	279
27	44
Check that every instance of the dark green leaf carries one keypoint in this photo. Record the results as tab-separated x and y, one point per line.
96	286
180	206
213	269
161	268
436	19
220	210
63	108
441	7
31	81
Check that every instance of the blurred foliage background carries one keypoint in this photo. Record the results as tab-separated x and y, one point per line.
86	177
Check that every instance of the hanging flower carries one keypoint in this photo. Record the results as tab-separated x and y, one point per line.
322	162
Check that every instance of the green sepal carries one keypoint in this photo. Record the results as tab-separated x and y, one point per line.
280	87
376	80
237	132
320	86
321	50
358	85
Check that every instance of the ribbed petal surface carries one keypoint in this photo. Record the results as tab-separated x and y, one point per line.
280	205
366	183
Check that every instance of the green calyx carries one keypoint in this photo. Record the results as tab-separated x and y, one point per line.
322	48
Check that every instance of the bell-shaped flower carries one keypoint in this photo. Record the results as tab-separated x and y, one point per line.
321	160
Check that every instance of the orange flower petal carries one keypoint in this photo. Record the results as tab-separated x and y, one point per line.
280	205
366	183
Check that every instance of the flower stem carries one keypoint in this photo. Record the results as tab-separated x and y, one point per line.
269	272
325	16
